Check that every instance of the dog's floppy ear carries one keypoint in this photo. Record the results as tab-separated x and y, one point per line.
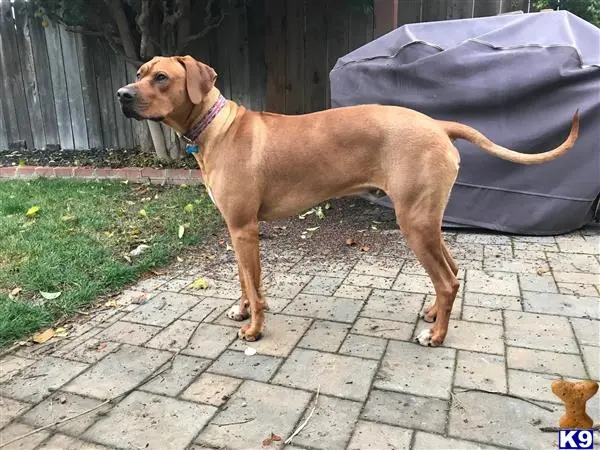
200	78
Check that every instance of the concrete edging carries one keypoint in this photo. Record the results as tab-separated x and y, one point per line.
132	174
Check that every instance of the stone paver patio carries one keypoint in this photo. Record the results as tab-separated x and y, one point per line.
528	312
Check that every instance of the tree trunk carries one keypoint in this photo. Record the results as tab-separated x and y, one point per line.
158	138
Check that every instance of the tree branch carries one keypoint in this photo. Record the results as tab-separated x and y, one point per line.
210	23
118	15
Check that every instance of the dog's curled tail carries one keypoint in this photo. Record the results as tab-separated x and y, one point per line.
459	131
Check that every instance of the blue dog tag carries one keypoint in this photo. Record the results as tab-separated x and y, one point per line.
190	149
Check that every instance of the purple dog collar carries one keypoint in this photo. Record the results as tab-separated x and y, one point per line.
200	126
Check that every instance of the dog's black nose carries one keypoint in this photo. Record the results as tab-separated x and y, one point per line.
126	95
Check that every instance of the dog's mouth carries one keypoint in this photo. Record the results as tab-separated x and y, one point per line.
131	113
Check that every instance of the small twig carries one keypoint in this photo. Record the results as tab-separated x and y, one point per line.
234	423
508	395
299	429
35	376
555	429
168	365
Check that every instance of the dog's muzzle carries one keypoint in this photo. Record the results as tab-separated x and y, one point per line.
127	97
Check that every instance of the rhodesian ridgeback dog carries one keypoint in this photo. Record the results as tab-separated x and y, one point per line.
262	166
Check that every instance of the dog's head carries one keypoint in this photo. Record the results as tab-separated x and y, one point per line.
166	87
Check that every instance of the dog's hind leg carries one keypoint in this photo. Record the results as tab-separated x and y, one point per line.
429	313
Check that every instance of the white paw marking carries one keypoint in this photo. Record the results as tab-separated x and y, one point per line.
237	313
424	337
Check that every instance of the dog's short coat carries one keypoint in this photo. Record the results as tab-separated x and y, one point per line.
263	166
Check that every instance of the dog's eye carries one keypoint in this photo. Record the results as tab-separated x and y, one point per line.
160	77
138	75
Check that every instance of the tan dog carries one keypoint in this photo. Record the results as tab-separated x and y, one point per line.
262	166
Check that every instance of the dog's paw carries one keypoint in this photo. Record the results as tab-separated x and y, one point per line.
426	316
424	338
237	313
245	334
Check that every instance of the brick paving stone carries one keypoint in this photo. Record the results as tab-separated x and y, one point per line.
368	281
475	336
280	335
591	356
486	417
178	377
539	331
387	329
321	285
538	283
15	430
217	288
129	333
377	266
363	346
327	308
322	266
63	404
92	350
210	340
262	406
325	335
516	265
208	309
378	436
238	364
580	289
10	409
341	376
212	389
150	284
576	277
564	305
118	372
174	337
492	301
480	371
411	368
64	442
576	243
413	283
41	379
500	283
408	411
285	285
162	309
573	262
391	305
481	238
545	362
354	292
430	441
144	420
479	314
176	284
535	386
12	364
331	425
586	330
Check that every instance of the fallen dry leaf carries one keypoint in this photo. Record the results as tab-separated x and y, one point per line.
40	338
179	259
310	230
15	293
250	351
68	218
267	442
112	303
181	231
188	208
542	271
101	346
350	242
365	248
139	250
61	332
50	295
275	437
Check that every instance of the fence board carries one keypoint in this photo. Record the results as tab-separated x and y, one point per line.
8	105
294	95
238	53
100	50
257	24
460	9
117	80
409	11
360	28
337	36
316	75
29	80
487	8
12	72
3	134
219	56
59	86
71	67
89	91
276	55
434	10
44	82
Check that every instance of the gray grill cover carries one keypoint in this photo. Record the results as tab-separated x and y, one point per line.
518	79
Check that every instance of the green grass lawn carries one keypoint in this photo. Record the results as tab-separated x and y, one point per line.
79	240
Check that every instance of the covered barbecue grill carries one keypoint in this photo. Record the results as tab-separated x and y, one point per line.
517	78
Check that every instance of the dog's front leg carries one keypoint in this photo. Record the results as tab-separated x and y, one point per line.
245	244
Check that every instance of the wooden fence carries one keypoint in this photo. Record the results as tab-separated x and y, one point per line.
58	88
